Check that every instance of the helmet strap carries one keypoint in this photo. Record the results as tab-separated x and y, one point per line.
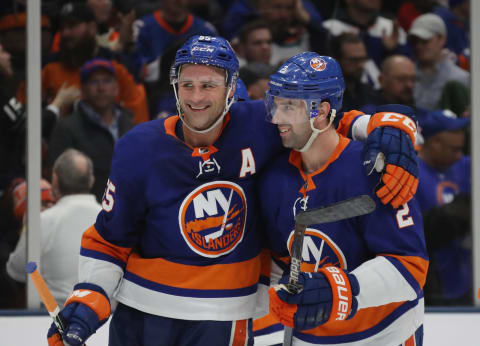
316	132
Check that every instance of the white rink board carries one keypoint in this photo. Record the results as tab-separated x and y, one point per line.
441	329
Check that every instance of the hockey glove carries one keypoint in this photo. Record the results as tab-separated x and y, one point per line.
389	149
86	310
326	296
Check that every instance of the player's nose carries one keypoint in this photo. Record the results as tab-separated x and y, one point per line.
197	95
278	117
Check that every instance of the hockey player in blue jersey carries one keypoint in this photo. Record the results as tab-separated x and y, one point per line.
177	242
362	277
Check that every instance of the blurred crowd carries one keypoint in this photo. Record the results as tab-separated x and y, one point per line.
106	67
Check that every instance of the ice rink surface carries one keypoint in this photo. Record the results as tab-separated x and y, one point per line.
441	329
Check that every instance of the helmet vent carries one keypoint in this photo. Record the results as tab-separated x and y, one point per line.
289	86
183	52
223	56
310	87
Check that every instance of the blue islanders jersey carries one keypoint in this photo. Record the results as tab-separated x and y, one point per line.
453	262
154	36
385	250
178	234
437	188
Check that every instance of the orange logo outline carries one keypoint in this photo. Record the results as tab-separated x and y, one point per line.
231	233
314	233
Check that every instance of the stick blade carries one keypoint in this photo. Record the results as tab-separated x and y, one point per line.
352	207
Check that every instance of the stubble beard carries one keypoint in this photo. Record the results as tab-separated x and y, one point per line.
73	57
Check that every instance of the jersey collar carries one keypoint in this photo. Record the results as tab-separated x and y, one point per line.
295	159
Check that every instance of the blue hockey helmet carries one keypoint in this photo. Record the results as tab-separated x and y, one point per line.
212	51
310	77
241	92
207	50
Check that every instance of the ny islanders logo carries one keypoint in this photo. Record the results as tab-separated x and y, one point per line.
318	64
446	191
319	250
212	218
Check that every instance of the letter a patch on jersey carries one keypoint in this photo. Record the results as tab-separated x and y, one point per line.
212	218
248	163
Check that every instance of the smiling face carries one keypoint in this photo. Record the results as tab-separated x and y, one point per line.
201	91
290	116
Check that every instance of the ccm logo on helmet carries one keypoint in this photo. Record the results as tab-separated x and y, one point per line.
202	49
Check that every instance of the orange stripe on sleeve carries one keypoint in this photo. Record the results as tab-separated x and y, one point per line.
417	266
92	240
264	322
363	320
347	121
213	277
410	341
94	300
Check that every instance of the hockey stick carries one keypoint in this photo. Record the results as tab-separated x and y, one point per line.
355	206
47	298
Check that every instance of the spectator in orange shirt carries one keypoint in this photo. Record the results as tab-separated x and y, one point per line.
78	44
96	123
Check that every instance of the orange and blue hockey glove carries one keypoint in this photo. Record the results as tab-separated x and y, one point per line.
327	295
389	149
86	310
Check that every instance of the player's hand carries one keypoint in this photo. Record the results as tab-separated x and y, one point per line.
389	149
318	302
86	310
301	14
125	30
390	41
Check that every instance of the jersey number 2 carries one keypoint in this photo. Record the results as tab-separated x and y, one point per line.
403	219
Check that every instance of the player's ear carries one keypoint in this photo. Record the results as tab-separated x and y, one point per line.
322	117
324	110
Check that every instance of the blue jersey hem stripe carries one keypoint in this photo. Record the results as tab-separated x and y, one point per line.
101	256
187	292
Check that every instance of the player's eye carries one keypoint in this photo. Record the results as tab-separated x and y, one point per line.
209	86
286	107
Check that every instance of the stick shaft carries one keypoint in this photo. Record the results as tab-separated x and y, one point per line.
44	292
48	300
352	207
